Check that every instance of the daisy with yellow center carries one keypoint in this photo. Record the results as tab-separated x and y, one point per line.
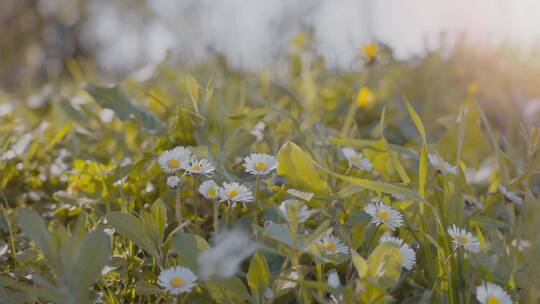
259	163
463	238
408	256
489	293
209	189
332	244
235	192
301	210
356	159
201	166
383	214
173	160
177	280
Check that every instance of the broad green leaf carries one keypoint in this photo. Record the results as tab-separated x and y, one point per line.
384	265
159	215
228	291
188	247
93	255
299	169
114	99
380	187
133	229
34	227
360	264
258	276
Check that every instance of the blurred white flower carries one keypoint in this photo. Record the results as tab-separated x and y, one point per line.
302	211
235	192
177	280
333	279
332	244
259	163
356	159
173	182
520	244
489	293
440	165
173	160
463	238
510	195
201	166
383	214
209	189
408	256
224	258
258	131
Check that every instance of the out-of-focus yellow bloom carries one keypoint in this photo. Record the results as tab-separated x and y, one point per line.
365	97
472	89
369	50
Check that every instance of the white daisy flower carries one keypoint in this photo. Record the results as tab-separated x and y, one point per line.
514	197
224	258
302	211
408	256
209	189
259	163
440	165
356	159
463	238
489	293
333	279
234	193
201	166
177	280
173	160
173	182
383	214
332	244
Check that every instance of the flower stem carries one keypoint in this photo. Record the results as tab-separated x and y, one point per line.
450	255
179	206
319	278
195	202
216	216
256	205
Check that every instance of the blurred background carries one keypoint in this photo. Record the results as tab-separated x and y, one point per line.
486	43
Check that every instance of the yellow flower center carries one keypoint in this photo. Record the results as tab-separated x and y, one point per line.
173	163
355	159
212	192
177	282
464	240
233	193
330	246
196	167
260	166
384	215
493	300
